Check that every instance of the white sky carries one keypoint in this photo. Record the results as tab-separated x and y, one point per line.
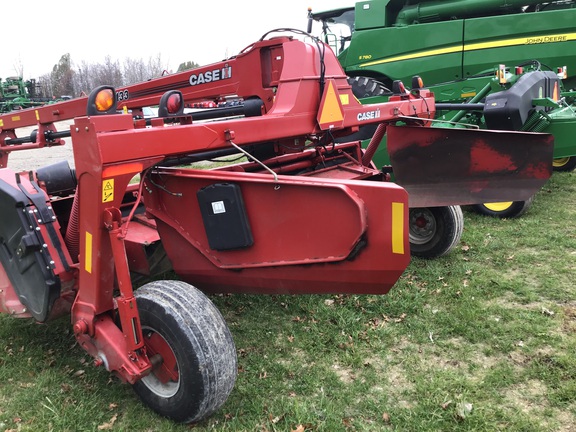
39	32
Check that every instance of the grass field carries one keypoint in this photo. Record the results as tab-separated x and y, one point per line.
483	339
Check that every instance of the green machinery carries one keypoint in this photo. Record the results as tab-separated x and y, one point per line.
458	48
16	94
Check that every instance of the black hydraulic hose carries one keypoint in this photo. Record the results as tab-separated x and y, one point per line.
249	108
49	135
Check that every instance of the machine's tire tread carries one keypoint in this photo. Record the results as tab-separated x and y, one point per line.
450	223
517	209
568	166
363	87
201	341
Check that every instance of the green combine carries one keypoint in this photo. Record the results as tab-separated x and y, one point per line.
469	52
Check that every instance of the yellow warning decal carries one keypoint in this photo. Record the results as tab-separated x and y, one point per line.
1	123
398	228
345	99
37	115
88	253
15	118
108	190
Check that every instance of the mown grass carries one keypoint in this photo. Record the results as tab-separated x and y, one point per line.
481	340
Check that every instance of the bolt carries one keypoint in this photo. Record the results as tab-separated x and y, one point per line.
80	327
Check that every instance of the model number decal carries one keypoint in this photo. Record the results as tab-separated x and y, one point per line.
211	76
370	115
122	95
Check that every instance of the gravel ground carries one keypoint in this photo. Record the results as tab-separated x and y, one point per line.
33	159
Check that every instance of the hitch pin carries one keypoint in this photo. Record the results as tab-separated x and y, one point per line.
277	186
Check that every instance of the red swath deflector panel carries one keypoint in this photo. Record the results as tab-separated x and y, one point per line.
442	166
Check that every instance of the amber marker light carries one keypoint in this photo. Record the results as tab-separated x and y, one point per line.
104	100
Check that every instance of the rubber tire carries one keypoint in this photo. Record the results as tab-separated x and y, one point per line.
564	164
516	209
445	226
200	340
363	87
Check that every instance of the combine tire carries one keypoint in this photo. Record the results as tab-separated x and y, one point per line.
364	87
434	231
191	347
508	209
564	164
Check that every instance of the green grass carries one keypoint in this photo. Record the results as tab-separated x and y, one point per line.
483	339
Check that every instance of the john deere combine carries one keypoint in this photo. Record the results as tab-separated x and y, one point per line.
466	51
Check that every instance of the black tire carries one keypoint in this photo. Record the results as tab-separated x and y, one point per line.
198	365
434	231
564	164
364	87
509	209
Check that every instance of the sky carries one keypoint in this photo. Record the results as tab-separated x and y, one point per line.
178	30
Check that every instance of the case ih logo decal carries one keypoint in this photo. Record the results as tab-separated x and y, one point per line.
211	76
370	115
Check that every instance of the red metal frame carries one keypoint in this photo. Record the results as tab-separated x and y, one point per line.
110	150
357	230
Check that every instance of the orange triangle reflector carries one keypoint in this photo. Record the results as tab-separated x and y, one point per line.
330	114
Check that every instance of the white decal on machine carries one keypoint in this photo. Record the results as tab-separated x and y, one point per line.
211	76
370	115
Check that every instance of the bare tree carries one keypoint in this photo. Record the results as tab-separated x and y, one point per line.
19	68
135	71
45	86
108	73
156	67
76	80
83	80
